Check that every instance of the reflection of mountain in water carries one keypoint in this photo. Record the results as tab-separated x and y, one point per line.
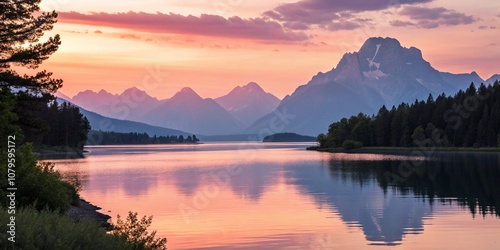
384	201
250	183
384	218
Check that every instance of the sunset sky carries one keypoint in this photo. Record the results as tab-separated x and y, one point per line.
161	46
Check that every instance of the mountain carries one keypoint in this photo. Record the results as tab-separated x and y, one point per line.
99	122
129	105
95	101
463	81
187	111
382	72
248	103
493	78
59	94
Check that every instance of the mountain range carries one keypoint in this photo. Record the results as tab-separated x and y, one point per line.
382	72
129	105
186	110
248	103
99	122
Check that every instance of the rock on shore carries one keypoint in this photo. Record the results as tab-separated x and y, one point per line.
87	211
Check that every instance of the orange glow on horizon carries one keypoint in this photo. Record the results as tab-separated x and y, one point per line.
94	56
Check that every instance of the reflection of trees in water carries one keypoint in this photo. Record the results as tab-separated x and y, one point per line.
75	177
472	179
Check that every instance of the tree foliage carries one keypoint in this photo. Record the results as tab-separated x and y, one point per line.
67	126
470	118
116	138
21	29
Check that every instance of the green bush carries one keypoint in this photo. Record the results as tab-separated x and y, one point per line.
51	230
134	232
38	184
350	144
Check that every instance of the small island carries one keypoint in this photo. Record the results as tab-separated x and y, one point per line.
288	137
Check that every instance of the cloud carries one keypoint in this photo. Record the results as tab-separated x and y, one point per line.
130	36
329	14
430	18
484	27
346	25
399	23
206	25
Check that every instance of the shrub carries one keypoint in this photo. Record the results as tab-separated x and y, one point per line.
51	230
134	232
40	185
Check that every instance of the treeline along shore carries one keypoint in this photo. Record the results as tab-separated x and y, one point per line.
116	138
469	120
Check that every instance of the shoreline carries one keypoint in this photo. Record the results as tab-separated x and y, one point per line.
375	150
59	152
88	211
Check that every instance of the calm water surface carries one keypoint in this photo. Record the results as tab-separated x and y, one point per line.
280	196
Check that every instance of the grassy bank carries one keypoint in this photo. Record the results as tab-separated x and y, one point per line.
52	230
381	150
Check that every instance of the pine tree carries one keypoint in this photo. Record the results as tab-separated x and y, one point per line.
482	128
22	26
383	127
493	127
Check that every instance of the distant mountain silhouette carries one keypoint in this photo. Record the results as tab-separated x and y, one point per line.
129	105
382	72
187	111
99	122
59	94
493	78
462	81
248	103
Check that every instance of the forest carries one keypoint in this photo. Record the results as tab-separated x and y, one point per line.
35	197
470	118
115	138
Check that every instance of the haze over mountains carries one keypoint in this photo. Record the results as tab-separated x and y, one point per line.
129	105
186	110
382	72
248	103
99	122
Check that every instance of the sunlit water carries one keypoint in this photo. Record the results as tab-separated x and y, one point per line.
280	196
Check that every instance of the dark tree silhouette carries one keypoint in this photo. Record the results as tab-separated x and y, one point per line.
471	118
22	26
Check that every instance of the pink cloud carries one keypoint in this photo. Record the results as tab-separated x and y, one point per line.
330	14
206	25
429	18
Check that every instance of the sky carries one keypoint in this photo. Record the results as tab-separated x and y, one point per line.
212	46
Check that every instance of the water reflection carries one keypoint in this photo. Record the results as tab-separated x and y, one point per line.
471	179
391	196
383	216
283	197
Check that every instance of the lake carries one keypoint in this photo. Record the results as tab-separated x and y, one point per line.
252	195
